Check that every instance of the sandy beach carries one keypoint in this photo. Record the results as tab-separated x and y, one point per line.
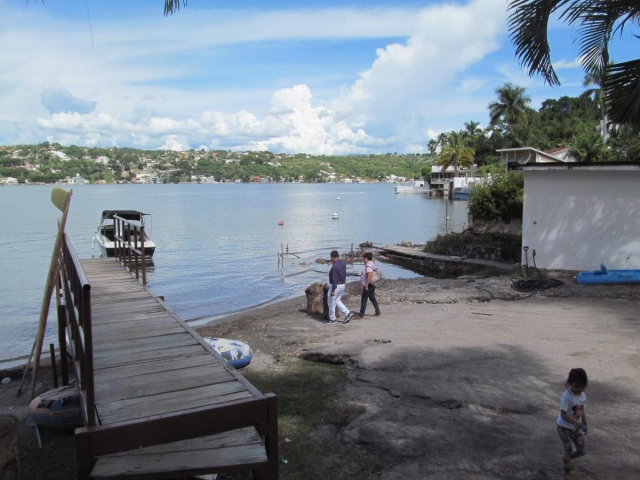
457	379
450	383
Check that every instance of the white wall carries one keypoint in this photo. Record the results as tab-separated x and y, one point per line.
575	219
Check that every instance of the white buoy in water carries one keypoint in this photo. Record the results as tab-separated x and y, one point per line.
338	198
335	216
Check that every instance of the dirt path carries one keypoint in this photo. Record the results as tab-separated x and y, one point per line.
453	386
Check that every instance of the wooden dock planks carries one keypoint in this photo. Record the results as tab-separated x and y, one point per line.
145	362
155	381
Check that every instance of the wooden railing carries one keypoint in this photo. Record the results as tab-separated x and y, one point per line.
76	292
129	241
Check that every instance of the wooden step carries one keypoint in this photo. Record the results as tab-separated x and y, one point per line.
212	454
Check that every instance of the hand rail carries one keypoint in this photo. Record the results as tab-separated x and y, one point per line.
130	253
77	303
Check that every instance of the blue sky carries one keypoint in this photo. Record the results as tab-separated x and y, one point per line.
320	77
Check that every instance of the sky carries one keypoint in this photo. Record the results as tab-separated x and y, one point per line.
334	78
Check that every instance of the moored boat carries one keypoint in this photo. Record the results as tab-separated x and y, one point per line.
105	234
461	193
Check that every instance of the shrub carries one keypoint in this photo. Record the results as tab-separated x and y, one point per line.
498	198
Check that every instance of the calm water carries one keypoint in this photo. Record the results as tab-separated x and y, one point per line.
216	243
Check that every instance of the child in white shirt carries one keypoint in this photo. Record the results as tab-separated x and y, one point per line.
572	421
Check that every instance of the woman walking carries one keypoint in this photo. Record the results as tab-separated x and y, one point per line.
368	288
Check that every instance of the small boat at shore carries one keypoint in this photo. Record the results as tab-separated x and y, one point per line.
461	193
104	236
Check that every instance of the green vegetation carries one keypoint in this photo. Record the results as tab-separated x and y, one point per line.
572	122
48	163
594	22
498	198
310	395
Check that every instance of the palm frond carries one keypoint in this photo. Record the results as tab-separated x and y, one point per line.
622	92
528	24
172	6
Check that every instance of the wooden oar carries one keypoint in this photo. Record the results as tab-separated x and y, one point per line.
61	199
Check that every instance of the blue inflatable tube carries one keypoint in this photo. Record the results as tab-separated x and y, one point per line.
609	277
237	353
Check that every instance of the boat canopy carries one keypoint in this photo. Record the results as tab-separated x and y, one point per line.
126	214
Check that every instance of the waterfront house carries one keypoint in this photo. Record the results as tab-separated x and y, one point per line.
530	155
578	215
8	181
443	182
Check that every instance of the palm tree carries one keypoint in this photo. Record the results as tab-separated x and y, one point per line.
472	128
596	78
456	153
172	6
511	107
432	145
596	21
442	139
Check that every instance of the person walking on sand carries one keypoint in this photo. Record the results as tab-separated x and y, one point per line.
572	421
368	288
337	280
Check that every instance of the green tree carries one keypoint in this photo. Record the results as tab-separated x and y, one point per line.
500	197
432	145
456	153
510	108
471	128
595	78
596	22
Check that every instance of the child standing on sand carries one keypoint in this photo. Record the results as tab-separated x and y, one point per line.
572	421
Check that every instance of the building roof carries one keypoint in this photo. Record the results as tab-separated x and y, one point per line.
612	166
530	149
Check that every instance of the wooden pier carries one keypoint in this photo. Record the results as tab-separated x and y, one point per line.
159	402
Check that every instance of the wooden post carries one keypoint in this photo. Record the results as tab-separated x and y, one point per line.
54	370
61	199
62	345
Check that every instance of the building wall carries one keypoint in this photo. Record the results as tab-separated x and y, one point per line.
576	219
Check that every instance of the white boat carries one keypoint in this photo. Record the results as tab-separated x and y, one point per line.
419	186
335	216
104	236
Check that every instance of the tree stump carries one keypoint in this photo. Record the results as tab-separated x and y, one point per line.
315	295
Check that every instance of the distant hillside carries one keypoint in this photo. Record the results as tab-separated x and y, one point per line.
50	163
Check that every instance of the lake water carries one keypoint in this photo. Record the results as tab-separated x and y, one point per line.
217	244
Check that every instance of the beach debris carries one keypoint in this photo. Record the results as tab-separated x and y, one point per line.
378	341
366	244
5	381
322	261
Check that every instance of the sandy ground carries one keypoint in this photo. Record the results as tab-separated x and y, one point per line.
457	379
455	384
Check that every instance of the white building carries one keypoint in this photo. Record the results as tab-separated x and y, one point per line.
8	181
61	155
102	159
579	215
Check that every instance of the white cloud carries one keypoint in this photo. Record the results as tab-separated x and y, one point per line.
292	125
408	90
564	64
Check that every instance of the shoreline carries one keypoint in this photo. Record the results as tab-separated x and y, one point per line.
448	362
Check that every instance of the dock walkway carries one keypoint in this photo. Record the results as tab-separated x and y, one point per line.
166	404
433	257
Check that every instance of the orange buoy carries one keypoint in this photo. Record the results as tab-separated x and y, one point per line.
280	223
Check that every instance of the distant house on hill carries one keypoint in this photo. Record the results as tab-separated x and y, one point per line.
530	155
